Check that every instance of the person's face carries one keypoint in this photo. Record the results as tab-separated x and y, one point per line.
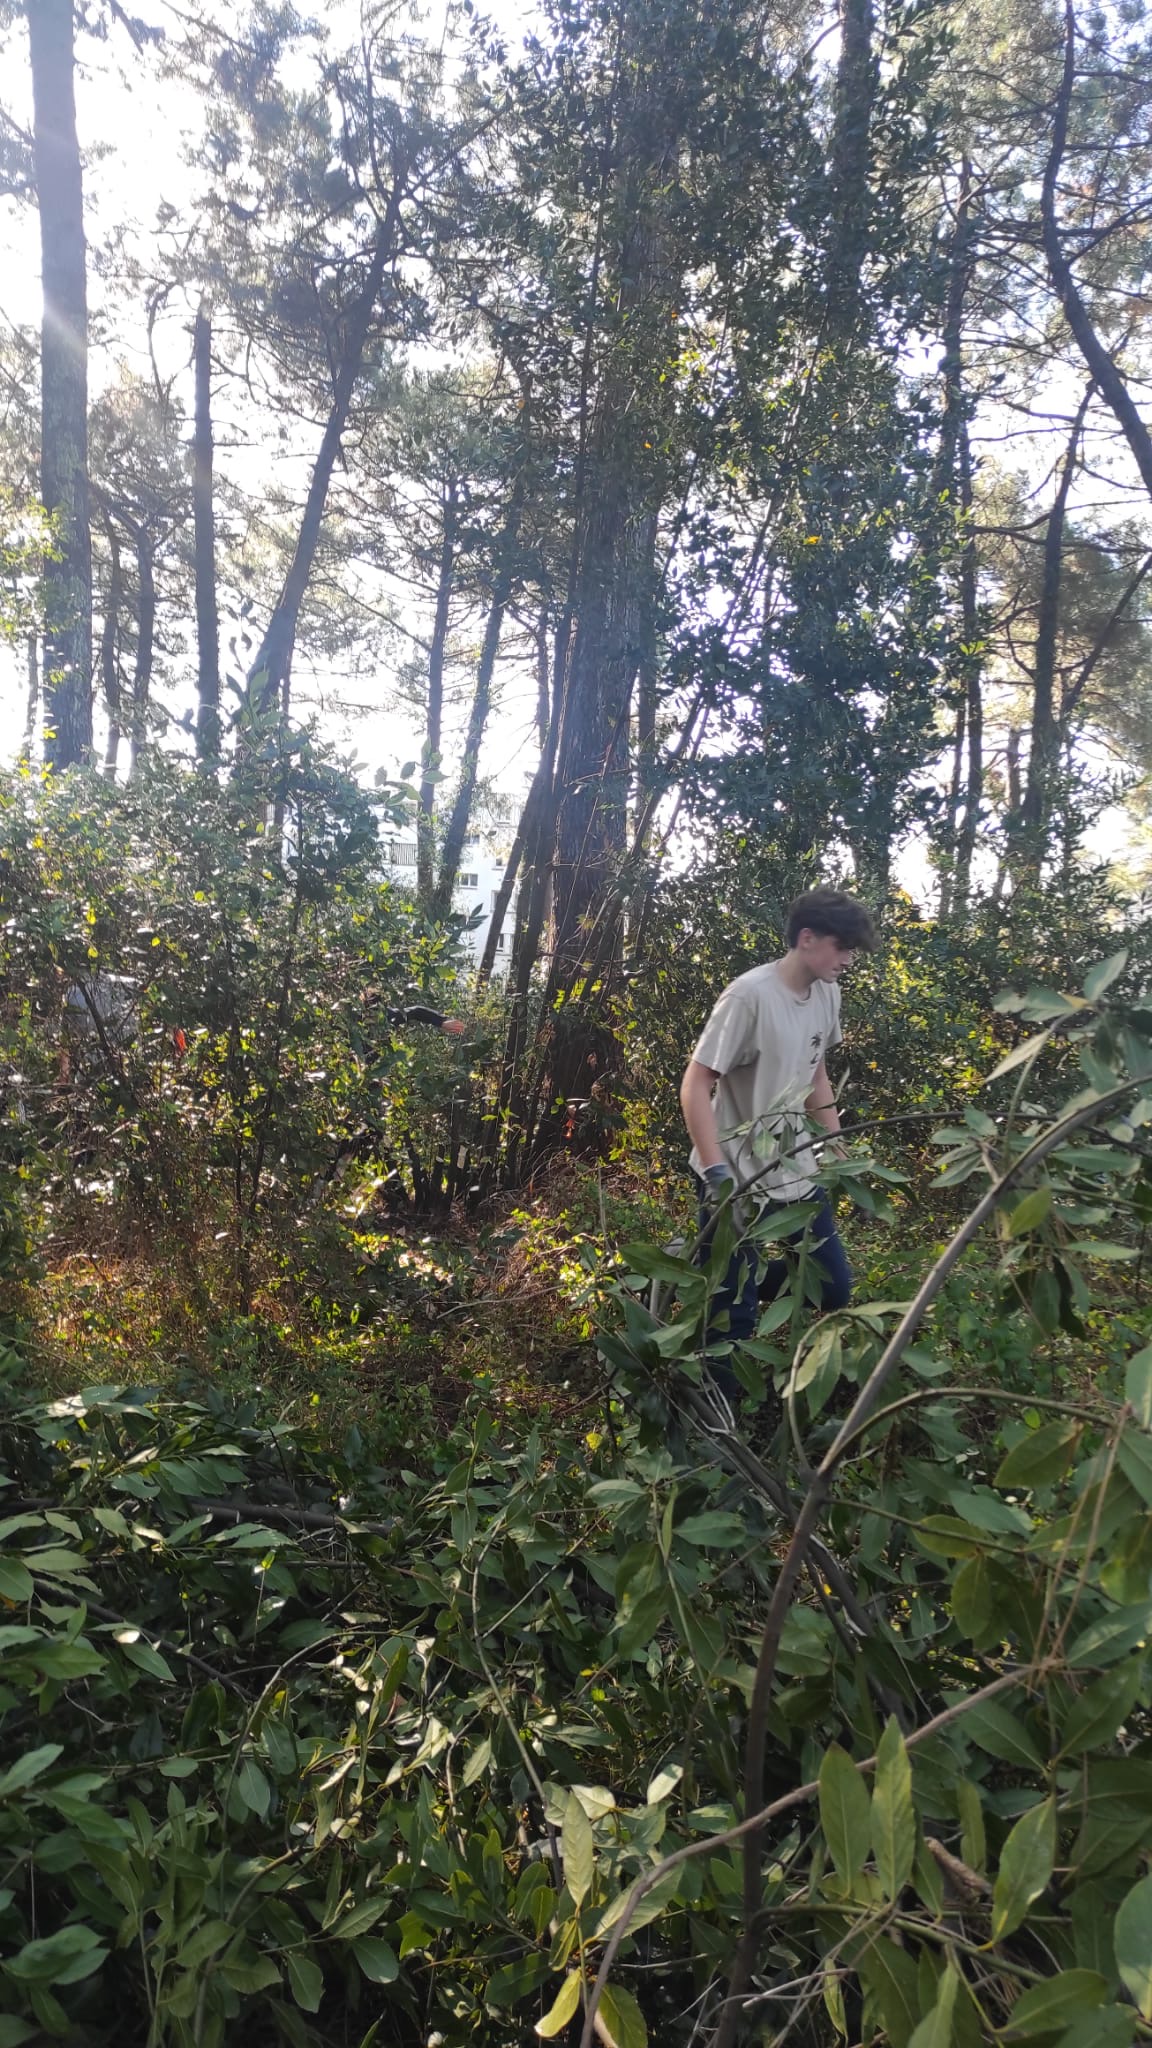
825	959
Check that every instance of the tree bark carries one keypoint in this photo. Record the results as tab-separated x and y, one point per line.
32	671
461	812
426	802
1044	744
1106	373
850	168
145	637
974	695
67	653
110	649
270	674
208	727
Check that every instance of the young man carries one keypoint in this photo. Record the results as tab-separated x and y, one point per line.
756	1076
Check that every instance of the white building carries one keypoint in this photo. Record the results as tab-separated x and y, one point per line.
483	859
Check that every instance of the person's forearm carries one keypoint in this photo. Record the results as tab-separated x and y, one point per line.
821	1104
700	1117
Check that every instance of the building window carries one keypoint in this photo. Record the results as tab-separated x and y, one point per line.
469	881
500	943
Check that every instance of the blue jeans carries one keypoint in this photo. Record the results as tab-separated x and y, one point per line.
743	1296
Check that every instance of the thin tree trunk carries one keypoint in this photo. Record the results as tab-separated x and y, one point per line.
110	649
208	728
67	663
1106	373
1044	743
543	676
32	672
426	803
974	707
952	811
145	638
270	674
461	812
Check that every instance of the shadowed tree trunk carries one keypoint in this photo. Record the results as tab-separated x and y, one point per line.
110	649
67	654
270	674
457	827
208	729
850	166
434	725
974	697
145	637
1044	745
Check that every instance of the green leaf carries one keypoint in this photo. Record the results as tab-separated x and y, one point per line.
997	1731
14	2032
893	1817
376	1959
973	1847
1028	1050
1110	2026
477	1763
623	2018
562	2009
972	1597
845	1811
306	1979
1112	1636
579	1851
1138	1386
148	1659
29	1767
714	1530
1133	1939
66	1957
16	1583
889	1975
1031	1212
641	1621
516	1981
1104	973
253	1787
1027	1861
208	1940
1048	2007
1040	1457
935	2031
1102	1708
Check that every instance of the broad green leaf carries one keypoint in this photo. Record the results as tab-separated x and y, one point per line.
1111	1637
1104	973
1134	1457
376	1959
1052	2005
1027	1861
714	1530
516	1981
1132	1935
563	2008
253	1787
1031	1212
1028	1050
1040	1457
972	1597
1102	1708
641	1622
29	1767
893	1817
206	1940
66	1957
477	1763
579	1851
14	2033
845	1811
306	1980
1110	2026
1138	1386
973	1848
935	2031
623	2018
1000	1733
889	1976
16	1583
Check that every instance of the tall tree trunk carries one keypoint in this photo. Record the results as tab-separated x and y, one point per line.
145	638
208	728
434	724
32	701
1106	373
270	674
1044	745
974	696
110	649
67	657
543	676
850	168
952	810
457	828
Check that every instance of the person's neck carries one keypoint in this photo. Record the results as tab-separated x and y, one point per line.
794	974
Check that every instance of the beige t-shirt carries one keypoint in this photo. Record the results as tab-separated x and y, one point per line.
766	1044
